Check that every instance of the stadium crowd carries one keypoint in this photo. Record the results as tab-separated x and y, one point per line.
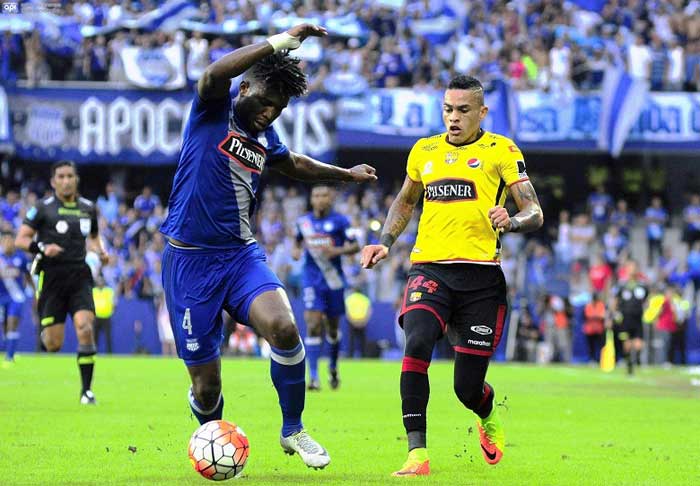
545	44
560	278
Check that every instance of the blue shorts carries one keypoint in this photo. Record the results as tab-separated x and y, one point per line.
11	308
199	283
322	298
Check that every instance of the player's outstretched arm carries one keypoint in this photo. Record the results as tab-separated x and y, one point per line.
216	79
348	248
529	216
399	215
304	168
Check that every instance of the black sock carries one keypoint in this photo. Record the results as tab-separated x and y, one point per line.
469	384
422	330
415	391
86	363
416	439
630	362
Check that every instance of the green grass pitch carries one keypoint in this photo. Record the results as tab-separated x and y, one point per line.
564	426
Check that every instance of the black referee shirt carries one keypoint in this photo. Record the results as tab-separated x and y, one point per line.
66	224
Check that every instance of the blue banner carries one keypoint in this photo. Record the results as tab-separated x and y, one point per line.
396	118
145	127
662	121
137	127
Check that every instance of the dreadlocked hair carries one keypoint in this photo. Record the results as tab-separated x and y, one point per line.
280	71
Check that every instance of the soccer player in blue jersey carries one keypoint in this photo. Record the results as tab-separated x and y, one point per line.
14	276
212	262
324	234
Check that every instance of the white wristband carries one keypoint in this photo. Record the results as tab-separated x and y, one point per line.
283	41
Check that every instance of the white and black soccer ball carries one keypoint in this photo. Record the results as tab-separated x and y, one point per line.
219	450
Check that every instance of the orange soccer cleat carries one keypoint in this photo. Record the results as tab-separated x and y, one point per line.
491	436
417	464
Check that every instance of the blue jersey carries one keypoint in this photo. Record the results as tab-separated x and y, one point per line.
13	267
318	233
213	195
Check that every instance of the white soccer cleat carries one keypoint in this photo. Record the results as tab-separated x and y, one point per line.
88	398
310	451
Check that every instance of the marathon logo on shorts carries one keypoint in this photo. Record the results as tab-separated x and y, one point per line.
450	190
249	155
192	345
478	343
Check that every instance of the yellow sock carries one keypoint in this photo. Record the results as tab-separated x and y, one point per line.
419	454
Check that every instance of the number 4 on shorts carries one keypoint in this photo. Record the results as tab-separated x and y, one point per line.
430	285
187	322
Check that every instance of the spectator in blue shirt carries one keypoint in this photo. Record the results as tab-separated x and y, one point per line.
146	203
599	204
622	218
694	268
659	63
656	218
10	208
108	204
691	219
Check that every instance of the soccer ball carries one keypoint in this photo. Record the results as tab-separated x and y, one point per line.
219	450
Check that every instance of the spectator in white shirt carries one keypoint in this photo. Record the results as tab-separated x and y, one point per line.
639	59
676	65
197	55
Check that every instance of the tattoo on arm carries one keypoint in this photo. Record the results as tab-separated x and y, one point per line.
401	209
529	217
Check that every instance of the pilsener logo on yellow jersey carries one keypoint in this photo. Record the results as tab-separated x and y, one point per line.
450	190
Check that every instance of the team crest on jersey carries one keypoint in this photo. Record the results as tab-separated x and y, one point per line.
61	227
415	296
474	163
451	157
450	190
328	226
247	154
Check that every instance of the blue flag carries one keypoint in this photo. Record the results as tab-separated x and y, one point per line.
622	102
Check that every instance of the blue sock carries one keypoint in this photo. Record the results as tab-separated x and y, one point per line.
287	368
11	338
335	347
203	415
313	351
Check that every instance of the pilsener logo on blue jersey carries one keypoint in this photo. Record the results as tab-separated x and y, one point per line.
249	155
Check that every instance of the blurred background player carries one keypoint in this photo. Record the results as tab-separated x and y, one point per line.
14	279
56	228
212	261
325	237
628	306
456	277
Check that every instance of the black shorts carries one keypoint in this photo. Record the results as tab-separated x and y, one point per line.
632	329
468	300
64	290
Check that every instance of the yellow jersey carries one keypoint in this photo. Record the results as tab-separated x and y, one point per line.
461	183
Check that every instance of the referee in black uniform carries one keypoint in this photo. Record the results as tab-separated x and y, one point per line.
55	231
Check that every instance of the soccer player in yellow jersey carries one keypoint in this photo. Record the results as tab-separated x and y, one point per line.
455	286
